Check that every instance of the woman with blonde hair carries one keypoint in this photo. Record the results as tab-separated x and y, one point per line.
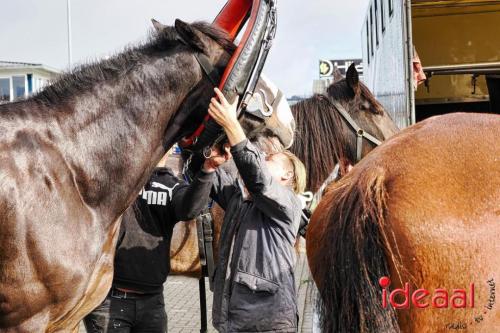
254	286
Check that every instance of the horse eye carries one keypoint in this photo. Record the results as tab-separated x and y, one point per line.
365	106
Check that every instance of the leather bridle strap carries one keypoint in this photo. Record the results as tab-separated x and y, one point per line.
210	71
360	133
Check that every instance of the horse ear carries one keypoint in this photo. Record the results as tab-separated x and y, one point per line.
352	78
337	76
157	25
192	36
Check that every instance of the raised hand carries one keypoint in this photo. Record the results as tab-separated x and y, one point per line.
225	114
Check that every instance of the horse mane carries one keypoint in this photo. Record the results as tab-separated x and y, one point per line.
320	138
84	77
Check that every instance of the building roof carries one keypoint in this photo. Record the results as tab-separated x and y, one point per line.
24	65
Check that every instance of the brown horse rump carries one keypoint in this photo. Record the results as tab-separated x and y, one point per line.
421	209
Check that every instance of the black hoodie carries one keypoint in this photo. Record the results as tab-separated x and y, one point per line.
142	260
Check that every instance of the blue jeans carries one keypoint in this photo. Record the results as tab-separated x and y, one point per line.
140	313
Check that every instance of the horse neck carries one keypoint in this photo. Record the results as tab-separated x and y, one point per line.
112	136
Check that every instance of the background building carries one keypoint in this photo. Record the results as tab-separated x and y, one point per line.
19	79
327	70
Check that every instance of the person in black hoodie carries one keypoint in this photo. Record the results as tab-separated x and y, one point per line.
135	302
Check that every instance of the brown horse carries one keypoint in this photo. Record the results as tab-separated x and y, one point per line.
421	209
74	157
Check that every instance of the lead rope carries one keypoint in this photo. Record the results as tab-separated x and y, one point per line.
203	304
204	225
205	239
333	176
310	201
204	229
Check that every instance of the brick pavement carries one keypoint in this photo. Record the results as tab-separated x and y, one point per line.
182	301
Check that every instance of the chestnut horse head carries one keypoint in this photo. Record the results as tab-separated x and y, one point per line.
323	136
73	158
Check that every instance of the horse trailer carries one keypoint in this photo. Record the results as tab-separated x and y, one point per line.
458	44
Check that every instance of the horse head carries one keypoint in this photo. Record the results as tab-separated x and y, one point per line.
362	105
324	136
212	49
267	112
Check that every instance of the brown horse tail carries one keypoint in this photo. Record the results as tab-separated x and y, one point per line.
358	248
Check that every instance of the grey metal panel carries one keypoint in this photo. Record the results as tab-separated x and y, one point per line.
386	71
408	38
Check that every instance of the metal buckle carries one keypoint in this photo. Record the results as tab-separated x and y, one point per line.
121	295
207	152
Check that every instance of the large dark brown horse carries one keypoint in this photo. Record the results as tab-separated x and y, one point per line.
74	157
421	209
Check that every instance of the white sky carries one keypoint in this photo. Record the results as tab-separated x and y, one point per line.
36	31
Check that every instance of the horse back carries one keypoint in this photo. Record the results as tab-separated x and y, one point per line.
448	164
